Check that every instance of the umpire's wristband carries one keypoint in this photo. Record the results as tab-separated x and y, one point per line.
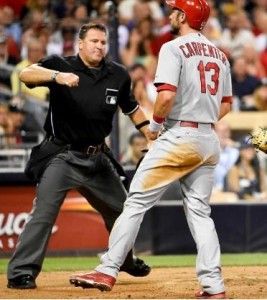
142	124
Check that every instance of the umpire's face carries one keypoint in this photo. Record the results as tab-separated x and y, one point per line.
92	48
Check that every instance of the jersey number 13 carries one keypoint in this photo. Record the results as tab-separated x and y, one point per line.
212	70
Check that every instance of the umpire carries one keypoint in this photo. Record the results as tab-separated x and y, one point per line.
85	92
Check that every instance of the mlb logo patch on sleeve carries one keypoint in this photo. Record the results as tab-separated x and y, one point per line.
111	96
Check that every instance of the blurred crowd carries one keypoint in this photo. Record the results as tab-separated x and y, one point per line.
31	29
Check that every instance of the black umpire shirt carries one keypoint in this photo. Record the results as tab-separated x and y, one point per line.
83	115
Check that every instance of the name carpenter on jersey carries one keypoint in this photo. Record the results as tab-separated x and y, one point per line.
201	49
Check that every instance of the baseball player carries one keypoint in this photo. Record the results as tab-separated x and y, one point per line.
194	91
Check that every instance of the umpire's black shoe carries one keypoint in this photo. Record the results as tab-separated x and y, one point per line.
22	282
139	269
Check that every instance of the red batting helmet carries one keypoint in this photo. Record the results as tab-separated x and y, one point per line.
197	11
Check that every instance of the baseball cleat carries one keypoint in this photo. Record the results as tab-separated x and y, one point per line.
94	279
138	269
204	295
22	282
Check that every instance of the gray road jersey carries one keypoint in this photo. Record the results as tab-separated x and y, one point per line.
201	73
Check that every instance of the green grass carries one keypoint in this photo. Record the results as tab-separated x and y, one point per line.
88	263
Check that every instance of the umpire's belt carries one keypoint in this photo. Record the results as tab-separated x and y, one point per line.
88	149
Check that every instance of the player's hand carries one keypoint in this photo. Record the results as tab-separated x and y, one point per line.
151	135
68	79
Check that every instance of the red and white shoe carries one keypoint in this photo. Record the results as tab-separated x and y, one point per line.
204	295
94	279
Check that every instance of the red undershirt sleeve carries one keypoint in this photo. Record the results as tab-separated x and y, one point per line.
166	86
228	99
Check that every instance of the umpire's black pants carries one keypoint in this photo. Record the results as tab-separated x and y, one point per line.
94	177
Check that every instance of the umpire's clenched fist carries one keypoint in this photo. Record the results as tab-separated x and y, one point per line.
69	79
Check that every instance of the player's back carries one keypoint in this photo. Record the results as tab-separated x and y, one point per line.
201	73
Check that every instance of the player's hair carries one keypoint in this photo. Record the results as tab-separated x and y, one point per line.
86	27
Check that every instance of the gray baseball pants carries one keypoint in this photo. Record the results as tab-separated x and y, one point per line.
94	177
188	154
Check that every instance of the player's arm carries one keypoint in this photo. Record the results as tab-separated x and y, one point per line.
38	75
227	98
164	102
162	108
225	107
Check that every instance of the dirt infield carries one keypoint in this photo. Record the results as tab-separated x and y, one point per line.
168	283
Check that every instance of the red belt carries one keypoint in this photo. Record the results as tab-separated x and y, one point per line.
192	124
